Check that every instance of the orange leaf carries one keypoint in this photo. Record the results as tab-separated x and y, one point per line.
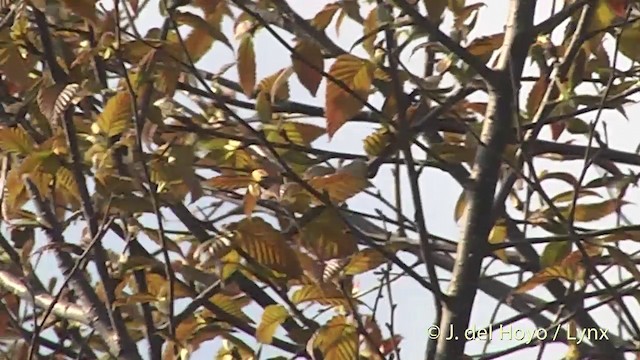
341	105
323	17
306	63
536	95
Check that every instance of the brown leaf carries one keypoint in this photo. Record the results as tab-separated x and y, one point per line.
485	45
370	28
323	17
355	74
83	8
435	9
247	65
536	95
343	184
308	64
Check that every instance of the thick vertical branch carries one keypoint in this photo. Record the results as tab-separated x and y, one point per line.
496	129
126	345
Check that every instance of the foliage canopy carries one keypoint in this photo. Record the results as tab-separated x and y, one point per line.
175	199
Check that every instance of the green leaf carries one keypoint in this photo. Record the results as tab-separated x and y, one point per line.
554	252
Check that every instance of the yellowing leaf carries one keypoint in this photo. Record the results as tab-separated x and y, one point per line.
327	237
550	273
266	246
301	133
369	259
205	31
592	212
461	205
375	143
232	305
497	236
263	107
323	294
116	115
337	340
247	65
343	184
272	317
15	140
485	45
229	182
570	268
370	28
275	86
583	212
158	286
355	74
554	252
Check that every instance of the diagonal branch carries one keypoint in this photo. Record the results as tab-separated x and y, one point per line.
435	34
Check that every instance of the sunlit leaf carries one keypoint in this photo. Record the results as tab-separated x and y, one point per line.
370	29
337	340
344	183
229	182
15	140
323	294
272	317
570	268
266	246
375	143
276	86
369	259
116	115
341	105
498	235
